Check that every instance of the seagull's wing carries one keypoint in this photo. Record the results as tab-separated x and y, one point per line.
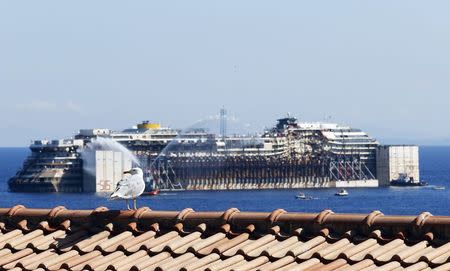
122	189
122	183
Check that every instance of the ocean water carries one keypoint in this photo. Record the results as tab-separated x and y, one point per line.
434	163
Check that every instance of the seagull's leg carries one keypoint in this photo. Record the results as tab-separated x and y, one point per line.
135	203
128	204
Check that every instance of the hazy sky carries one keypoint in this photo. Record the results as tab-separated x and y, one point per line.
383	66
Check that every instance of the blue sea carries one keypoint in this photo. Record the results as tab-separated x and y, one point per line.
434	163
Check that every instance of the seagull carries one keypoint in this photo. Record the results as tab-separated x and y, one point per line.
130	187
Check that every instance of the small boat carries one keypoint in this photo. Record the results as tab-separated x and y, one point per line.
152	192
342	193
300	196
438	187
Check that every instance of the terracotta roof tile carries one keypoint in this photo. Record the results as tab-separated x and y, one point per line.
441	259
66	243
418	266
158	244
364	253
129	261
306	250
258	251
61	239
44	242
145	262
401	255
78	261
435	253
32	261
335	265
367	263
15	257
180	245
226	264
19	243
255	244
177	262
9	236
336	254
209	249
310	264
444	267
133	243
102	262
331	251
207	242
251	264
415	257
390	266
111	244
234	248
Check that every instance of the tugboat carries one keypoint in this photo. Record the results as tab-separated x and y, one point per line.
342	193
404	180
151	188
152	192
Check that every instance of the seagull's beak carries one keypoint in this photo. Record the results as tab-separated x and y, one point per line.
125	172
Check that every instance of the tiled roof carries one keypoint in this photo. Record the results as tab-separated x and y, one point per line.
101	239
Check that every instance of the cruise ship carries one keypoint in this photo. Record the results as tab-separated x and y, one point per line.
292	154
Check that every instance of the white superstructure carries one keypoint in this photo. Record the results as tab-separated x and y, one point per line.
52	166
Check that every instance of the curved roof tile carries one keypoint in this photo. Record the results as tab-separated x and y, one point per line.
145	239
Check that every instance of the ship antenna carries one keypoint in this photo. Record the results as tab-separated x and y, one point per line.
223	123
